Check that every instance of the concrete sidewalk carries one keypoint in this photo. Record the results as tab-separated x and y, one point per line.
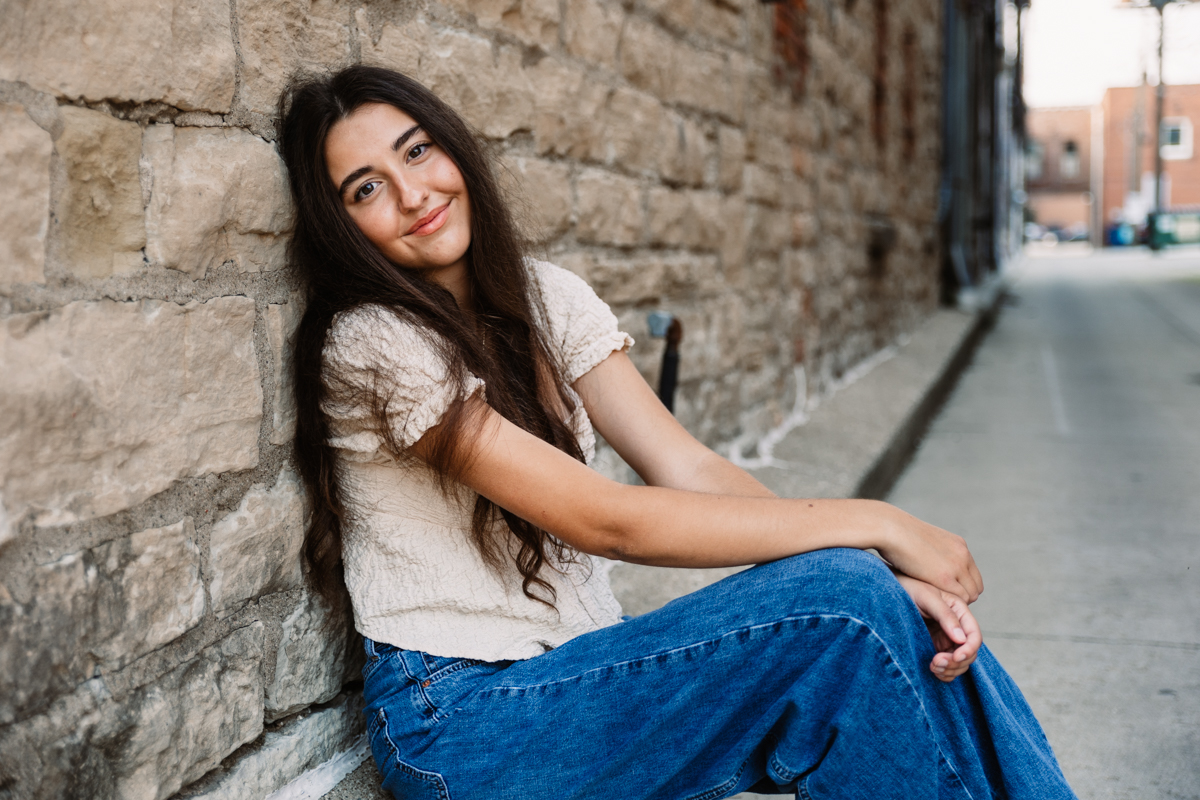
854	443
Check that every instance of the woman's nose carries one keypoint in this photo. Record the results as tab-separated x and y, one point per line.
412	194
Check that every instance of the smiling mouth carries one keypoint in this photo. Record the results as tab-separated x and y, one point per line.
429	223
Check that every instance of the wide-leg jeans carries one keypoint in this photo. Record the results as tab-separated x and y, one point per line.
809	675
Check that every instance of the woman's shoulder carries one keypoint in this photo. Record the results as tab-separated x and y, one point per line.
557	284
372	333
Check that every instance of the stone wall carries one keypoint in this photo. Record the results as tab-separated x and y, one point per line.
765	172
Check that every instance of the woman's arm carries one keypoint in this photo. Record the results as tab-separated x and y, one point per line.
673	527
631	418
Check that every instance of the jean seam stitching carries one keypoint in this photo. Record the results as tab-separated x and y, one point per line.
681	649
432	778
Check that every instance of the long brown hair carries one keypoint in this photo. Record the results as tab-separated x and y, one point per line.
342	271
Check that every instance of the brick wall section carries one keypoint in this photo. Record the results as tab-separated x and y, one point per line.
157	636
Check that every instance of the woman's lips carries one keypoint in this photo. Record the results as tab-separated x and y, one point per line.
430	223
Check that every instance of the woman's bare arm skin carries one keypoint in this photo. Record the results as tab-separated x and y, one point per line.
680	528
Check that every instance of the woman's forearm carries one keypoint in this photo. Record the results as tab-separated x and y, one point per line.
665	527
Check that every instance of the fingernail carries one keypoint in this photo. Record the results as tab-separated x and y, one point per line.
959	632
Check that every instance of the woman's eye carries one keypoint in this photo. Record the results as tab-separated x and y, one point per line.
417	150
366	190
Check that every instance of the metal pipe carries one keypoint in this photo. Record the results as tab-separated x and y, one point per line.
667	326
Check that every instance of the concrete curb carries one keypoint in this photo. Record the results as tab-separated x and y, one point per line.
882	475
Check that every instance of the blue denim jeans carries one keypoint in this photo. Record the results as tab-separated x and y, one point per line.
808	675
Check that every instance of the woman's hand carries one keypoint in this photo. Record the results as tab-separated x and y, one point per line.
930	554
954	630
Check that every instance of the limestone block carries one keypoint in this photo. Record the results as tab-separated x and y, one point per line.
568	102
154	580
718	20
768	230
733	243
684	158
105	739
100	224
282	320
543	190
396	47
762	184
609	209
24	196
637	135
731	149
256	549
699	80
179	52
489	88
277	38
678	14
178	728
647	277
217	194
709	225
592	30
311	660
104	607
648	57
105	404
534	22
287	752
669	217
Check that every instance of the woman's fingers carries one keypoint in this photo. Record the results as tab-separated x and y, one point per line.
953	628
966	635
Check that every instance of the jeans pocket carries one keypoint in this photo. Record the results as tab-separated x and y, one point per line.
401	778
455	681
377	654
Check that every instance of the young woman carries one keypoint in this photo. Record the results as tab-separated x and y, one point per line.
447	387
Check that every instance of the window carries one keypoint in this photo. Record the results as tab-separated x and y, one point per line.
1033	161
1176	138
1068	165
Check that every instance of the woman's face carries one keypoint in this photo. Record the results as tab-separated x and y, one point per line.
402	190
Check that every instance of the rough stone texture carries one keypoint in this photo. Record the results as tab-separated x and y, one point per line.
99	226
279	38
282	319
534	22
610	209
99	609
543	189
310	663
217	194
179	52
25	151
145	742
592	30
256	549
285	753
107	403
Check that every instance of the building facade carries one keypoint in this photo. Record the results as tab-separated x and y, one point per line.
1058	169
1126	193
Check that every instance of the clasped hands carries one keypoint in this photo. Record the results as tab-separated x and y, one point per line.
937	570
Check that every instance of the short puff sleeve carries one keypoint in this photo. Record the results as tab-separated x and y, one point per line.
372	351
580	327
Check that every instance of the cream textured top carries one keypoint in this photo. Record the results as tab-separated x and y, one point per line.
415	578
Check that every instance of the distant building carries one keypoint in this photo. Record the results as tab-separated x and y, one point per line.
1127	116
1058	168
1093	168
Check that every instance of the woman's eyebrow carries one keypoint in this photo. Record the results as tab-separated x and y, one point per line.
358	173
404	137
